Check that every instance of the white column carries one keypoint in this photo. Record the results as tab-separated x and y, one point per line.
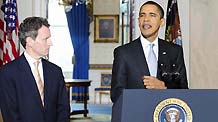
39	8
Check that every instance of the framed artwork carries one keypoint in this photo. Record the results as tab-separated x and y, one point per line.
106	79
106	28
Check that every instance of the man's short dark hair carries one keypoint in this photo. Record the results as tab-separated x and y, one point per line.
29	28
157	5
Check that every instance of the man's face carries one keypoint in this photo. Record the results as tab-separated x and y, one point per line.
40	46
150	21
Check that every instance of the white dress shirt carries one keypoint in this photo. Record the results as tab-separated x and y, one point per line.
31	62
145	45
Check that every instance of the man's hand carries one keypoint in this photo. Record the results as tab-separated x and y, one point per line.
151	82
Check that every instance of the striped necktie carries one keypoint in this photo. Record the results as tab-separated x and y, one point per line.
39	81
152	61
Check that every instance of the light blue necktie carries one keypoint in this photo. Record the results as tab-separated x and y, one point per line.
152	61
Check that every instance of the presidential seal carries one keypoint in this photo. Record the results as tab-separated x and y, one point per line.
172	110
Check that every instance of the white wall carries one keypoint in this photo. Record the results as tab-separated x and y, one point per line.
204	44
28	8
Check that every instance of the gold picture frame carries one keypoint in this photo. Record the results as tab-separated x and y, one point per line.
106	28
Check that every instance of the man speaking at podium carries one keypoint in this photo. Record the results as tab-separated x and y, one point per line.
148	62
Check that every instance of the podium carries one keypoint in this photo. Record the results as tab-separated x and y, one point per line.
179	105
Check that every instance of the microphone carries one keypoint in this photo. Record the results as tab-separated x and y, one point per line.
175	74
168	72
165	75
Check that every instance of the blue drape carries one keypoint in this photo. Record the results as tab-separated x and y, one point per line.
78	23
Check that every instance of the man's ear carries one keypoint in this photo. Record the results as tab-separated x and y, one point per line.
29	41
138	22
162	22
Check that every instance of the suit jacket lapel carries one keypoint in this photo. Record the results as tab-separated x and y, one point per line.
141	59
46	82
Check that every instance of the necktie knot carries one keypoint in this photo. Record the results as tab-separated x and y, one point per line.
151	45
36	64
151	51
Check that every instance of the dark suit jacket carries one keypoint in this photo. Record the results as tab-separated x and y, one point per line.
20	99
130	65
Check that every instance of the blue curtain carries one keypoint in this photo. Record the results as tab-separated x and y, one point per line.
78	22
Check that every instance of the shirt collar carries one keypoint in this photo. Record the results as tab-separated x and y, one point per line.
30	59
145	42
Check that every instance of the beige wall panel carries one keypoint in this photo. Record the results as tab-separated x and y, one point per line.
203	44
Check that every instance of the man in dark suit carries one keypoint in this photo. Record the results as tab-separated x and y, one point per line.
131	69
29	93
